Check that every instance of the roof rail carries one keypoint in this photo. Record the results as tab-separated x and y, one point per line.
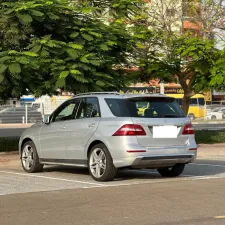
97	93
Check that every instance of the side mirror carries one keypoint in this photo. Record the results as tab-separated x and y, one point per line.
46	120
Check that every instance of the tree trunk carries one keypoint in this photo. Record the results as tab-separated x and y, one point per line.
186	103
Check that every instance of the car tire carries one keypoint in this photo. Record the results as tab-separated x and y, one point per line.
213	117
29	158
173	171
100	164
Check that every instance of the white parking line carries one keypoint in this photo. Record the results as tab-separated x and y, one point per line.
53	178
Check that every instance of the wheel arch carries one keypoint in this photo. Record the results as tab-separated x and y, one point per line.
92	144
25	140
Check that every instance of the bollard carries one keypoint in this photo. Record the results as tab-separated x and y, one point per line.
23	120
26	112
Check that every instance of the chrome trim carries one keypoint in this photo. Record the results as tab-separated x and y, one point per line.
64	164
158	160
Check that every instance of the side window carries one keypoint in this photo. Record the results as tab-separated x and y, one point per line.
88	108
66	112
194	101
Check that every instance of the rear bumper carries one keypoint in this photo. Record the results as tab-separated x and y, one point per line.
157	161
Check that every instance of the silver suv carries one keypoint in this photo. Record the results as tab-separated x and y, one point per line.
109	131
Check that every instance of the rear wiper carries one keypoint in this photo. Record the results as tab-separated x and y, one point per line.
170	116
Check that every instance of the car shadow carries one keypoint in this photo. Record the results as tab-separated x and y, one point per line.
202	167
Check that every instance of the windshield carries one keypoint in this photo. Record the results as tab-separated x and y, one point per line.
215	110
157	107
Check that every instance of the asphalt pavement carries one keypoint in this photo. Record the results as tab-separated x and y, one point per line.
68	196
209	126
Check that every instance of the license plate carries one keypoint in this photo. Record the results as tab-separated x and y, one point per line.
164	132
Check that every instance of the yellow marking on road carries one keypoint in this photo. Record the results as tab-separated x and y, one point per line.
219	217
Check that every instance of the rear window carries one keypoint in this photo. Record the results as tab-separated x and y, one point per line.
145	107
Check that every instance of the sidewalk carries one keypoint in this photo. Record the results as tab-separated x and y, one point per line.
208	122
15	125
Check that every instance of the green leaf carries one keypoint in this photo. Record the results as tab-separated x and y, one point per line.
95	34
44	53
36	13
23	60
25	18
139	45
219	80
100	83
52	16
95	62
32	54
74	35
76	46
14	68
3	68
72	53
5	58
64	74
87	37
104	47
1	77
36	48
84	59
61	82
80	78
75	72
87	10
13	52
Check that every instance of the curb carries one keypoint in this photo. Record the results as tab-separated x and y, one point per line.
10	153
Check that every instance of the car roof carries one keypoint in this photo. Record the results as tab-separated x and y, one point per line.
117	95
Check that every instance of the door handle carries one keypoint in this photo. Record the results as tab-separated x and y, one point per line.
62	128
91	125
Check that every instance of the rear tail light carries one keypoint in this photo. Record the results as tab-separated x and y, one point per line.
130	130
188	129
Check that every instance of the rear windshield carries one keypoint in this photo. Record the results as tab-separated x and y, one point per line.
145	107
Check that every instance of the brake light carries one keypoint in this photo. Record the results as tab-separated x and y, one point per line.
188	129
130	130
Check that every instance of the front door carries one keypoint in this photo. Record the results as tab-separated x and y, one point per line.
52	135
82	128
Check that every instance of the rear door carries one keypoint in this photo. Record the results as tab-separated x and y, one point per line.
80	130
163	122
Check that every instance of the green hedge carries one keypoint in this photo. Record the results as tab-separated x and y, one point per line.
210	136
202	137
9	144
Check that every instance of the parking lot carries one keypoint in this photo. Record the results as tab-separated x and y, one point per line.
66	195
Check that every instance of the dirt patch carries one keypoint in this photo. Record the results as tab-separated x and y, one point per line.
9	160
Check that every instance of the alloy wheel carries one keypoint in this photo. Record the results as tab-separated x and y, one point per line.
28	157
97	162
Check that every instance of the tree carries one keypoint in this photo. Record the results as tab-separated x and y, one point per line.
53	44
165	50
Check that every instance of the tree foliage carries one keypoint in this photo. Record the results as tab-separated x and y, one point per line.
60	43
164	50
